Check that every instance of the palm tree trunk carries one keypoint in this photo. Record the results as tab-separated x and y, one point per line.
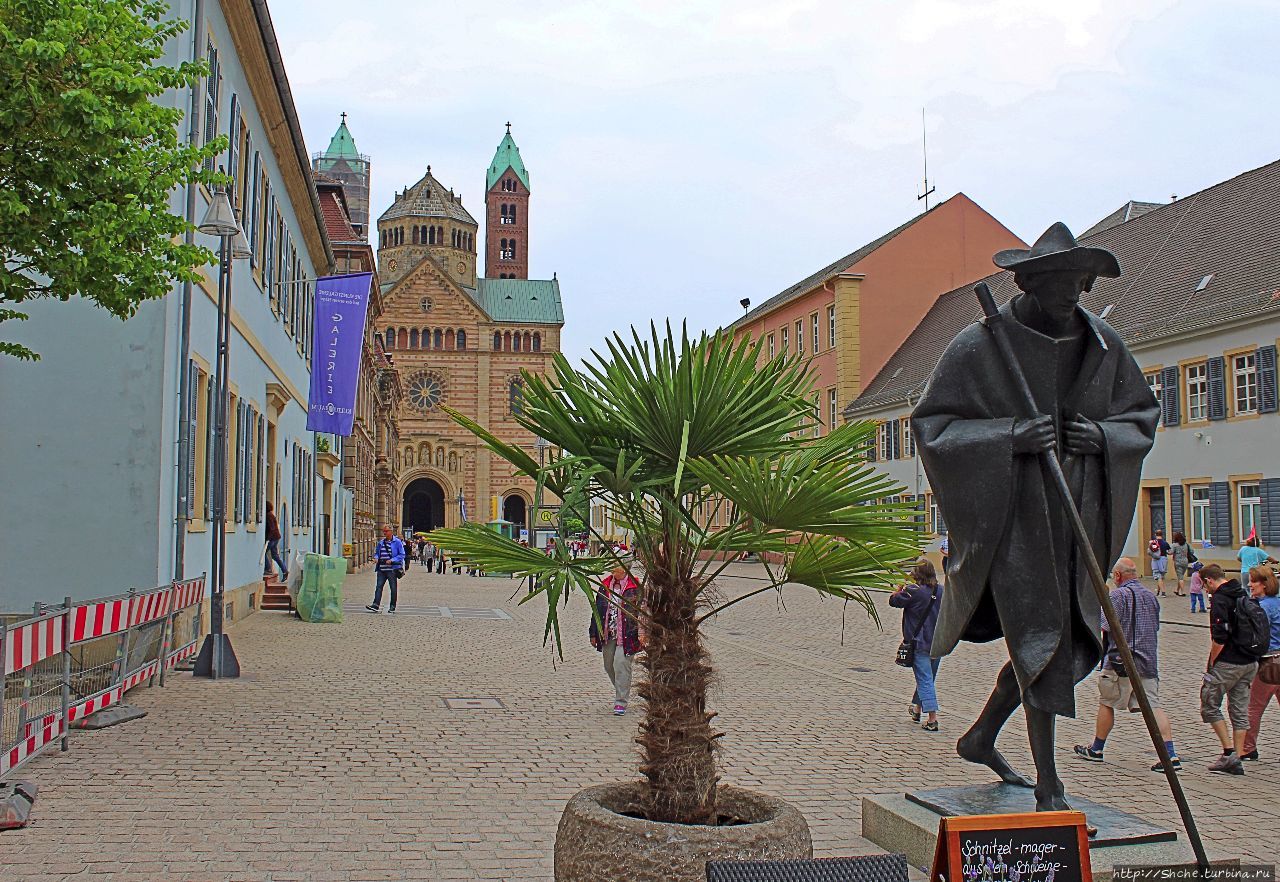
676	739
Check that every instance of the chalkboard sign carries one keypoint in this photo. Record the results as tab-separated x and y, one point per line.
1032	847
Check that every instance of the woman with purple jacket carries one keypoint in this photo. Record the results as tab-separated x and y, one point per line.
620	637
920	602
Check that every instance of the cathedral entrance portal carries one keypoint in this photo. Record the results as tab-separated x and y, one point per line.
423	508
513	510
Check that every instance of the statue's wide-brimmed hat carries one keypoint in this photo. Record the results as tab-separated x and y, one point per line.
1057	249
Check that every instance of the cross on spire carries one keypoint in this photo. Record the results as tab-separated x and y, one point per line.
344	117
508	128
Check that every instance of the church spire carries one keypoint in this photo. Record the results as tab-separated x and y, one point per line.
343	162
506	202
507	156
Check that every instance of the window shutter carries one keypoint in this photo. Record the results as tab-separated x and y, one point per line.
260	464
895	440
1269	532
1220	513
238	473
873	449
193	402
210	459
1217	388
1176	516
1169	413
1266	362
233	131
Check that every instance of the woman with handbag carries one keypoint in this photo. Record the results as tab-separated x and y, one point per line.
1183	558
1265	589
920	602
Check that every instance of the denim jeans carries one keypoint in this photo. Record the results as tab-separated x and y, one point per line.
1197	598
926	671
383	577
273	553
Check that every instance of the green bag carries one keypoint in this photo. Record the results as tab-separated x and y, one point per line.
320	597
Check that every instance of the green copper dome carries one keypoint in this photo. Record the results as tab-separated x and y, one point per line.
506	157
341	146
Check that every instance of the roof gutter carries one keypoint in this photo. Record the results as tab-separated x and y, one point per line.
263	17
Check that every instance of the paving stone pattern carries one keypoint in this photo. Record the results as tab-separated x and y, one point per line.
340	757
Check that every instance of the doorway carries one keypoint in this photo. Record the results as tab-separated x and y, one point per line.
422	509
1155	520
515	511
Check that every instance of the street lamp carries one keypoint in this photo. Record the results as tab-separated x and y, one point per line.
216	658
540	444
745	303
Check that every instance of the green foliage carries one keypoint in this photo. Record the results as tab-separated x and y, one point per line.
663	430
88	158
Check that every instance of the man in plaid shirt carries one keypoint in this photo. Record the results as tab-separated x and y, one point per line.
1138	612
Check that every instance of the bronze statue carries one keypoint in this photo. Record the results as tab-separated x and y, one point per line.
1016	570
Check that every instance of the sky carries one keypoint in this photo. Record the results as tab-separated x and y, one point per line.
684	155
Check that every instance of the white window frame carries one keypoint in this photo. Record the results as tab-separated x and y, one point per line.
883	447
908	442
833	403
831	327
772	347
817	336
1197	383
800	337
785	339
1244	379
1157	389
1249	508
1200	521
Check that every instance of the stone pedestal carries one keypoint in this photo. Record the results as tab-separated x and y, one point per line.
908	824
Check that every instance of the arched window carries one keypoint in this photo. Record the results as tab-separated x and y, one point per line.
512	255
391	338
438	340
415	234
402	339
528	342
448	339
440	235
462	340
413	337
537	342
513	214
515	395
515	342
431	235
497	341
506	342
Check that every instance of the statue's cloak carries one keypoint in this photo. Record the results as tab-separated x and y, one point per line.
1015	570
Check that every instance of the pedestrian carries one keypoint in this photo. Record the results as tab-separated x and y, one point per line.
1196	587
1230	671
1266	590
617	605
1183	558
920	601
1158	550
390	557
945	549
1251	554
1138	612
273	545
422	550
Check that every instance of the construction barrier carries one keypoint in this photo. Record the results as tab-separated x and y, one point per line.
69	661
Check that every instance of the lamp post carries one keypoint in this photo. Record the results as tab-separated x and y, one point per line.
540	444
216	658
745	303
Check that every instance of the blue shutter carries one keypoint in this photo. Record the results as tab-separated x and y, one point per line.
1269	531
1217	388
1266	362
1176	516
259	465
210	460
1220	513
895	440
233	131
193	402
1169	413
873	452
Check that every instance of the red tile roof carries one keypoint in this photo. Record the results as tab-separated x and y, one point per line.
337	223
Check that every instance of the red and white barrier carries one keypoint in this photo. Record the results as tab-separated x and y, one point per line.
51	729
99	619
187	593
31	643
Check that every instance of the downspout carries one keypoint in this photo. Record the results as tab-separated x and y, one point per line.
185	440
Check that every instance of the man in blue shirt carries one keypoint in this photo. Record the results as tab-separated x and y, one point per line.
1139	614
389	555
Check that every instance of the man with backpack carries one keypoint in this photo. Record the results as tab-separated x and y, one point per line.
1241	633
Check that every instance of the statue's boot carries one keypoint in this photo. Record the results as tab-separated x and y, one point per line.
1051	795
978	745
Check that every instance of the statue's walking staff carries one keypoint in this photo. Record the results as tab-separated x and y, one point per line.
1052	469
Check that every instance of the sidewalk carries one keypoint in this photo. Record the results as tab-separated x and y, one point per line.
338	757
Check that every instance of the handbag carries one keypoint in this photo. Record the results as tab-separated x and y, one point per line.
906	656
1191	555
1269	669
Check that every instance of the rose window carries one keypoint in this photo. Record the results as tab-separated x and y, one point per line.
426	389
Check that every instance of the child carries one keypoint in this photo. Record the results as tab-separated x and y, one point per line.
1197	587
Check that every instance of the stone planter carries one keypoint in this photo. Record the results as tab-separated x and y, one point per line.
597	839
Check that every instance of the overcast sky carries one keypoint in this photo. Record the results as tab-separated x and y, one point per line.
684	155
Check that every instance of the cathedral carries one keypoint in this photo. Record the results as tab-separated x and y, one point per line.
461	340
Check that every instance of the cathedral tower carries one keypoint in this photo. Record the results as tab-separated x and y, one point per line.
506	200
351	169
427	219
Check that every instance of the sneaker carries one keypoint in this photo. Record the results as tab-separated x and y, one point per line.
371	608
1088	753
392	611
913	710
930	727
1176	763
619	709
1227	764
1251	756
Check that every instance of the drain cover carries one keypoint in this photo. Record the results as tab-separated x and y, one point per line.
473	704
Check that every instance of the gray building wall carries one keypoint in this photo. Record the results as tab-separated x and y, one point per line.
90	434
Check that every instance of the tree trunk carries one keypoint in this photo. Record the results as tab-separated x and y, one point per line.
676	739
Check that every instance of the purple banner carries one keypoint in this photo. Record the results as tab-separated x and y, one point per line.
341	306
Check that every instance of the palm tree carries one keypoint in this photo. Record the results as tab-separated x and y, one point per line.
661	430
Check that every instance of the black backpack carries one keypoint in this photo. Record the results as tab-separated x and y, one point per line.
1250	628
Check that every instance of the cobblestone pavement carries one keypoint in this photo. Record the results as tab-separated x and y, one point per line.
336	757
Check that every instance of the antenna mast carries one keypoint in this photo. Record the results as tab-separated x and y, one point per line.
924	141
